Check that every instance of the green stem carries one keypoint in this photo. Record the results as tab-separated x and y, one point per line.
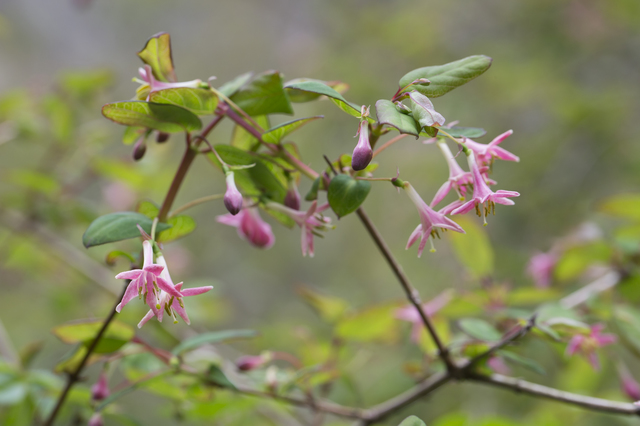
196	202
388	144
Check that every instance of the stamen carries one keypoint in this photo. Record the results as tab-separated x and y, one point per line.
433	249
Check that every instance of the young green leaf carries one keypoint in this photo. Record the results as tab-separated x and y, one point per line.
118	226
231	87
625	205
180	226
330	308
297	95
163	117
376	323
210	338
389	114
245	140
473	249
116	335
346	194
445	78
412	421
423	111
264	95
198	101
157	54
479	329
275	134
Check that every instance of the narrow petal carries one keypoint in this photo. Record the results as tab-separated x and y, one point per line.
167	287
147	251
195	291
129	275
594	361
468	206
130	293
154	269
146	318
414	236
442	192
230	220
574	344
180	311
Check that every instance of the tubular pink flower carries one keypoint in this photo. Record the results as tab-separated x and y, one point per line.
146	282
310	222
292	199
411	314
363	153
430	220
155	85
486	153
482	195
250	227
170	303
540	268
587	344
232	197
458	178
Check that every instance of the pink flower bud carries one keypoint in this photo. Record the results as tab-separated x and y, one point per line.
232	198
250	227
162	137
139	149
248	362
292	199
362	154
629	384
100	390
96	420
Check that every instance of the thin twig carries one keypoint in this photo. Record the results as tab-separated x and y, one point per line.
195	202
388	144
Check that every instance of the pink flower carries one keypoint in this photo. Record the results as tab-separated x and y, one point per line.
497	364
458	178
587	344
363	153
251	362
155	85
232	197
96	420
430	220
310	222
411	314
100	390
482	195
170	303
487	152
146	282
250	227
292	199
628	383
540	268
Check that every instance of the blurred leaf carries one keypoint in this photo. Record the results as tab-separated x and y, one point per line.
388	113
313	192
29	352
180	226
118	226
60	117
115	336
163	117
263	95
35	181
157	54
230	88
531	296
198	101
451	419
330	308
623	205
319	88
627	323
467	132
85	83
376	323
297	95
346	194
525	362
246	141
412	421
473	249
442	328
133	133
217	376
479	329
568	326
12	393
576	259
447	77
141	383
112	256
148	208
210	338
275	134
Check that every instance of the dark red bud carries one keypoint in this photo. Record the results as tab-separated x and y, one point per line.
139	149
162	137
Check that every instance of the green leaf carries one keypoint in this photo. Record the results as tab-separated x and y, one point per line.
473	249
346	194
231	87
423	110
245	140
479	329
313	192
525	362
376	323
148	208
163	117
198	101
210	338
85	83
445	78
133	133
180	226
319	88
112	256
157	54
264	95
275	134
576	259
116	227
466	132
115	336
330	308
623	205
217	376
531	296
297	95
627	323
412	421
60	116
389	114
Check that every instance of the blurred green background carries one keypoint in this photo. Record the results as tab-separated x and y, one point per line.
565	78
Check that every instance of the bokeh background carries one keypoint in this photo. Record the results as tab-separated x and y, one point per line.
565	78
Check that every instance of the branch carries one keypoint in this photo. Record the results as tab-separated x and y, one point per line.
411	292
591	403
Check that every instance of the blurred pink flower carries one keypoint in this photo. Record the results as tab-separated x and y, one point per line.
497	364
310	222
482	195
96	420
411	314
250	227
540	268
251	362
430	220
587	344
100	390
118	196
146	282
487	152
629	385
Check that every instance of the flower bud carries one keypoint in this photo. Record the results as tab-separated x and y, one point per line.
249	362
292	199
362	154
139	149
100	390
162	137
96	420
629	385
233	197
